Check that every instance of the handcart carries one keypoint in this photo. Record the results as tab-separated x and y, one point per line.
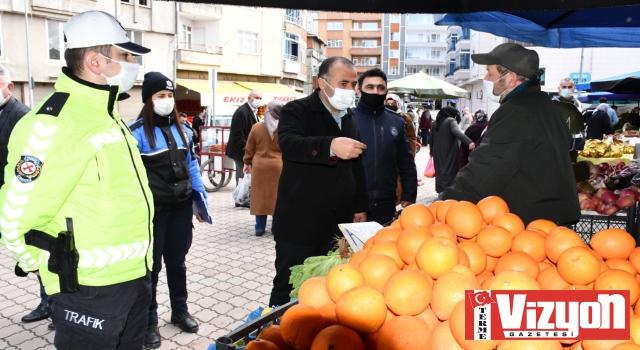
216	168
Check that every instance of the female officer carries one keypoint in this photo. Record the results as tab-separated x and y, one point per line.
173	176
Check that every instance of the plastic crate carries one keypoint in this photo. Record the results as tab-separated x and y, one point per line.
589	224
244	331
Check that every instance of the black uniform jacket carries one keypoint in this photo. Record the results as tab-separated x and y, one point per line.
523	159
11	113
316	192
241	123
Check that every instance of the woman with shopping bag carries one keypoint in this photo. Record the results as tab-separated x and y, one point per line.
443	147
263	160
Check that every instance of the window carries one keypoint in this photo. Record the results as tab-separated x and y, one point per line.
511	41
1	44
394	53
334	43
370	26
424	19
291	46
431	70
423	53
247	42
395	36
369	43
356	25
186	34
414	38
394	18
293	16
369	61
355	61
394	70
463	60
140	2
435	38
136	37
335	26
56	40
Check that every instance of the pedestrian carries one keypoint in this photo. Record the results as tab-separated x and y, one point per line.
388	155
195	126
425	125
465	119
522	157
173	175
187	126
414	118
77	168
474	132
263	159
241	123
443	147
394	103
599	124
566	89
613	117
11	111
323	181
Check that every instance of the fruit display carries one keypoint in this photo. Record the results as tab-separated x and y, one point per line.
631	133
605	149
406	288
608	202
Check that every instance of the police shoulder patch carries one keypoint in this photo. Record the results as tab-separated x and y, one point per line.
54	104
135	125
28	169
394	131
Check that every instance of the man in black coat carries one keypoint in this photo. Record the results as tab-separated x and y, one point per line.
11	111
323	179
243	119
522	157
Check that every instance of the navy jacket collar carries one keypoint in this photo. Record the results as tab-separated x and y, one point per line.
368	110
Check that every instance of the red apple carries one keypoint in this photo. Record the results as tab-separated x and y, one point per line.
587	204
582	196
596	200
634	188
602	191
600	208
610	209
628	192
609	197
626	201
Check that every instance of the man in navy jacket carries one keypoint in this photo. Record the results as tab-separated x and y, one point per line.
388	153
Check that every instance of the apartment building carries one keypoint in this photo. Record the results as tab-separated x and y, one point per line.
357	36
412	43
556	64
149	23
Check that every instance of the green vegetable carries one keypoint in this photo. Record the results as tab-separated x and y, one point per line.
313	267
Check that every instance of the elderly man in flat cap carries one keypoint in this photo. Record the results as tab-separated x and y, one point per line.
522	157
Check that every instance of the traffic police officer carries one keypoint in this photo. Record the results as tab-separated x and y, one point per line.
73	157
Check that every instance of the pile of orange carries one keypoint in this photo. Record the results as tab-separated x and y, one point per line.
405	289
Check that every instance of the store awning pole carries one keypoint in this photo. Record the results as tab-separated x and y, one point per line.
29	77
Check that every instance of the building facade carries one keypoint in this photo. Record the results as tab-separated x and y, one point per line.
315	55
149	23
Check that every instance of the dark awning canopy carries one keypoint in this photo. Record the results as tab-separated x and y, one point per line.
425	6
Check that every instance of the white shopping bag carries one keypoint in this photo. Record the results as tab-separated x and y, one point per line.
242	193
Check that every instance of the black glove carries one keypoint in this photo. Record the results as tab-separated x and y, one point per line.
19	271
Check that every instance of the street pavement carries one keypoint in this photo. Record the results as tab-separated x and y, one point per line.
230	271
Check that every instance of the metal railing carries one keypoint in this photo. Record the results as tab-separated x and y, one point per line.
465	35
293	19
365	30
216	50
463	66
291	58
365	47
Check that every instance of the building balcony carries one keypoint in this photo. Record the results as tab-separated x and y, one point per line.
362	51
366	16
425	61
362	69
201	11
369	33
215	50
463	45
465	34
461	72
434	44
449	78
293	19
188	57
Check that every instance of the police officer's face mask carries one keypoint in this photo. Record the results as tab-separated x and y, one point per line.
163	107
127	76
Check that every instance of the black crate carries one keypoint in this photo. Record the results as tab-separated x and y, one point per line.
590	224
226	342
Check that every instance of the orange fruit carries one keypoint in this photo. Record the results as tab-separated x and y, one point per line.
509	221
464	258
465	219
313	292
491	263
433	207
443	208
626	346
578	265
529	344
272	334
450	288
621	264
370	340
359	256
457	325
430	318
443	339
462	239
513	280
634	324
361	309
390	315
542	224
396	223
491	207
577	287
531	243
437	255
376	269
517	261
299	325
549	279
409	242
495	240
368	244
543	265
601	344
404	332
341	278
387	233
483	276
443	230
559	240
477	256
613	243
390	249
416	215
337	337
261	344
634	258
618	280
408	293
328	312
412	266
